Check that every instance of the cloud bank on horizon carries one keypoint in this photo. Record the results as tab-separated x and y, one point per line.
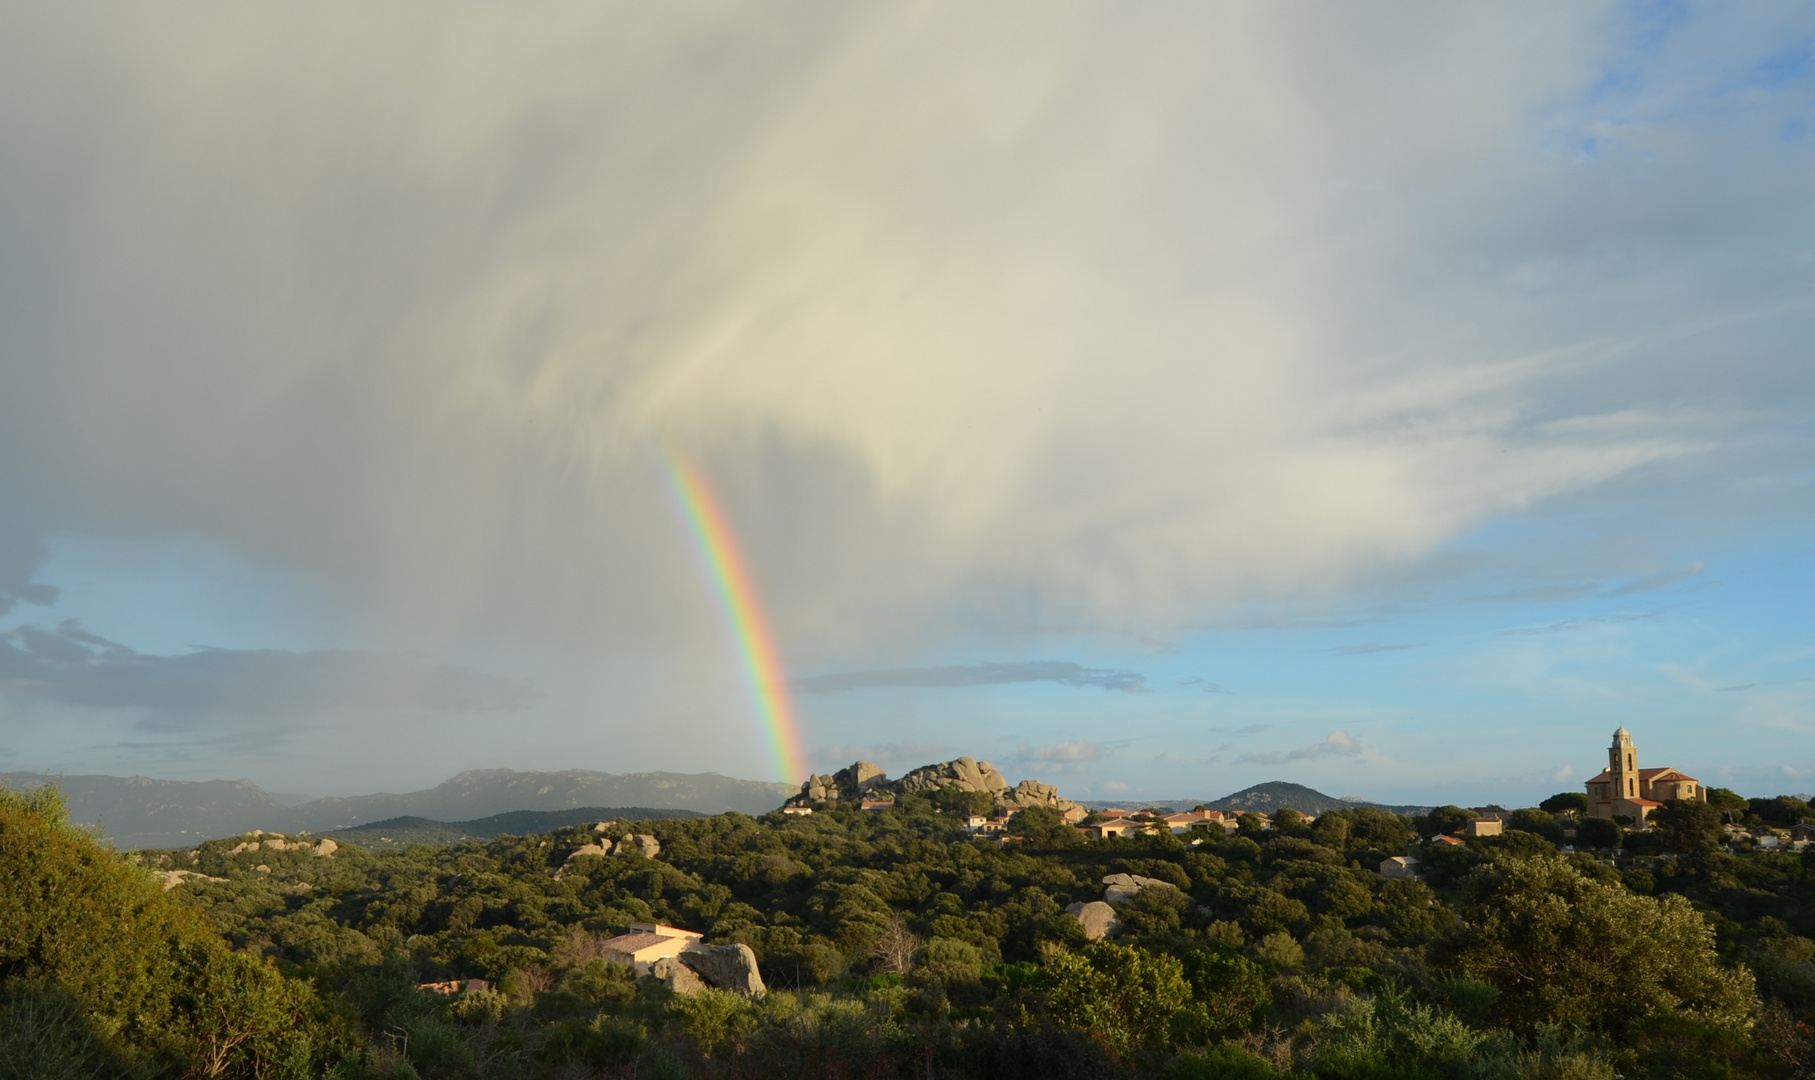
1250	344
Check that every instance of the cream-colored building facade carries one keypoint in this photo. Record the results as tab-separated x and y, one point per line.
1625	790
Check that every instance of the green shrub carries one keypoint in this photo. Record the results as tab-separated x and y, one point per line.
1565	950
154	983
1125	998
1223	1062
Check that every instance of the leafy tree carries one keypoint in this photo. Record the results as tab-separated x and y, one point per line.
1728	802
1782	811
1251	825
152	981
964	803
1688	826
1541	822
1444	821
1566	802
950	960
1288	819
1232	989
1565	950
1379	830
1044	829
1124	997
1332	829
1520	844
1598	833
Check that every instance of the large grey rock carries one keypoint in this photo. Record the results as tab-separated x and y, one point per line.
641	843
846	785
1099	919
727	967
325	848
964	774
584	851
860	777
1033	793
1118	888
677	976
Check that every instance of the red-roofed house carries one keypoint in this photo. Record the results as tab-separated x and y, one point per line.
1625	790
1103	830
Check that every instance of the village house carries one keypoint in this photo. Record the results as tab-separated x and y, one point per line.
797	809
1400	866
1119	826
646	943
1194	819
1625	790
1484	826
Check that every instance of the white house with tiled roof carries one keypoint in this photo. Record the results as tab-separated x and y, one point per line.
1625	790
648	942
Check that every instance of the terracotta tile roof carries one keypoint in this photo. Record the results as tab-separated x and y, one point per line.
634	943
1647	775
1643	802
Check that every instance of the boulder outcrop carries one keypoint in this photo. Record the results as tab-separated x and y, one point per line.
638	843
964	774
170	879
1099	919
677	976
846	785
1118	888
726	967
866	779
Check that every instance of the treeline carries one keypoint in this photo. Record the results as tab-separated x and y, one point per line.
895	944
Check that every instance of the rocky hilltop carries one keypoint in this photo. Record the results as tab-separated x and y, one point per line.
866	780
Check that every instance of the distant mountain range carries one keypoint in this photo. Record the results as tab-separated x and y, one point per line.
1266	798
139	812
403	831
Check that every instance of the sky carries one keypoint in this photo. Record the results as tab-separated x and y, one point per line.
1153	400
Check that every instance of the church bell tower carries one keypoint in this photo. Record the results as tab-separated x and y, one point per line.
1623	766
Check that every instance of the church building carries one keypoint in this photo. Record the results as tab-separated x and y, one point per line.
1625	790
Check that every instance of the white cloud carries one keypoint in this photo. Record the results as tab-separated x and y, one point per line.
1338	744
1002	316
1064	757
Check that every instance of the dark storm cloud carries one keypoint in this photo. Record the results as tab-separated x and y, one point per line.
71	666
1062	672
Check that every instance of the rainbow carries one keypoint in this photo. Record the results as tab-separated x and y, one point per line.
750	632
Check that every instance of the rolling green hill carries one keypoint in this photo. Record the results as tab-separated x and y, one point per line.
403	831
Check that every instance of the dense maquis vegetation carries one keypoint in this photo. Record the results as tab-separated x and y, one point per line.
896	945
